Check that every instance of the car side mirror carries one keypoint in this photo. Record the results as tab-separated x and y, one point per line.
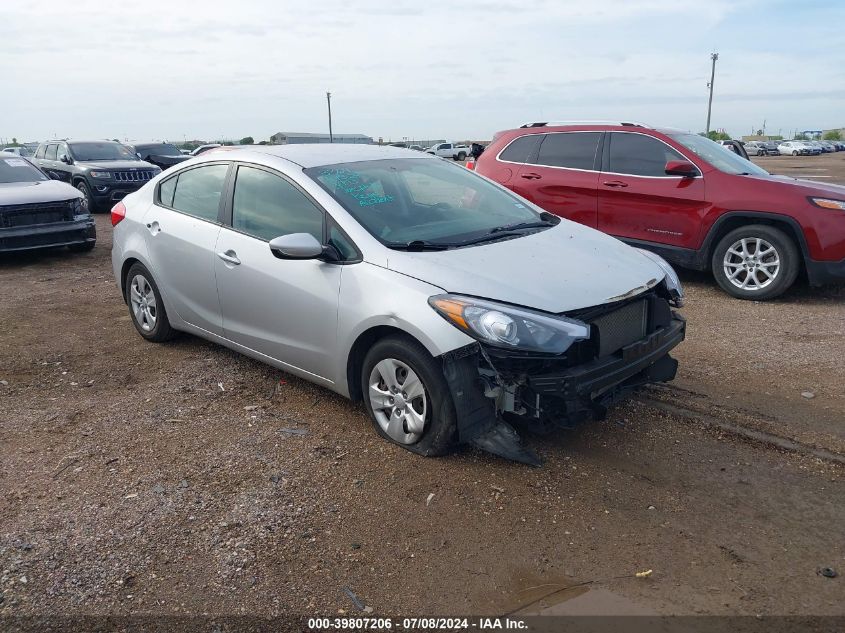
65	159
681	168
296	246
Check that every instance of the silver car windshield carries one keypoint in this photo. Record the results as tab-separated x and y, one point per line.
720	157
424	202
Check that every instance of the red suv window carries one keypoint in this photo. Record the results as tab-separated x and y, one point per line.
575	150
638	155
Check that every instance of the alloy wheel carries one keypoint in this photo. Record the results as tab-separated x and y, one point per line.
399	400
143	301
751	263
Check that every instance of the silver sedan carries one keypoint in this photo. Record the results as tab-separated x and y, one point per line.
438	298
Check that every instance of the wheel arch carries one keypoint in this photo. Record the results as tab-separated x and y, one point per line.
364	341
124	269
727	222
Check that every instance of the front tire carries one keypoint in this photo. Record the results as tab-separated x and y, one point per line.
755	262
795	153
146	308
407	398
88	200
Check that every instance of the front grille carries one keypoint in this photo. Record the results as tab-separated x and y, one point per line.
621	327
33	214
133	176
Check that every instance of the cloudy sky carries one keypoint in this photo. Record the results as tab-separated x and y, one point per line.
419	69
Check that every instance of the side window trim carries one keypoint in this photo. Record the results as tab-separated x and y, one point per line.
220	207
605	163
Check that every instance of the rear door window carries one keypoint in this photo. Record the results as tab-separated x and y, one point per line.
521	149
51	152
638	155
198	191
40	152
574	150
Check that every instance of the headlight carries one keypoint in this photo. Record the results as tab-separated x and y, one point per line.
100	174
673	284
508	326
77	207
827	203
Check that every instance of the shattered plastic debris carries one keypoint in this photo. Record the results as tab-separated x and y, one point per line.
643	574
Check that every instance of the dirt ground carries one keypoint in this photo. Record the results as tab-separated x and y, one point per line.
185	479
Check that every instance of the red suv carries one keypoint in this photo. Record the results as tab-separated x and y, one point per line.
682	196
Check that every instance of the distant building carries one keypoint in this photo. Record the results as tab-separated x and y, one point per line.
296	138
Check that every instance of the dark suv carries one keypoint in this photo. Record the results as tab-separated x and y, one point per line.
682	196
103	171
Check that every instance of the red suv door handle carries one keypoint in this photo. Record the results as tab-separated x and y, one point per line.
614	183
530	176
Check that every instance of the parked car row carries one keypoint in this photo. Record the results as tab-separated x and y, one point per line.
508	294
809	148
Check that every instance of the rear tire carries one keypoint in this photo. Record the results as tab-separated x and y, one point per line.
146	307
462	156
795	153
397	367
755	262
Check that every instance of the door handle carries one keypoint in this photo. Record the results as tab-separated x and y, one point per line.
530	176
230	257
614	183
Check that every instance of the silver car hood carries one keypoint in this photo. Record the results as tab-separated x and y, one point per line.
563	268
38	191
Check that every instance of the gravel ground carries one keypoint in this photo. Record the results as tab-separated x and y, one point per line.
185	479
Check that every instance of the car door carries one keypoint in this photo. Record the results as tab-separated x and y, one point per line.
562	176
50	162
183	225
62	164
284	309
637	200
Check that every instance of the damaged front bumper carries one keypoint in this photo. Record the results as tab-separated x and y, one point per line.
546	392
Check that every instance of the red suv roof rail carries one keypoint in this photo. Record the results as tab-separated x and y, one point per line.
557	123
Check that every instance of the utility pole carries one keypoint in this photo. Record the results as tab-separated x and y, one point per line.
329	101
713	57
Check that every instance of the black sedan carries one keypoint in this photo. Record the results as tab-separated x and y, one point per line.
36	212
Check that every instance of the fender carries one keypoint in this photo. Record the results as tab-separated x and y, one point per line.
710	237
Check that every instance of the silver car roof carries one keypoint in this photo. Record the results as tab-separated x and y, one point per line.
317	154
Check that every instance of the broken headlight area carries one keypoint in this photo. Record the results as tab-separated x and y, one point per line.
628	346
508	327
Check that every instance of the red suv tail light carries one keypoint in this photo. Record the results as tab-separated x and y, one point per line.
118	212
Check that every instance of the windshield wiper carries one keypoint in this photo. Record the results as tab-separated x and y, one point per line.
417	245
523	225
